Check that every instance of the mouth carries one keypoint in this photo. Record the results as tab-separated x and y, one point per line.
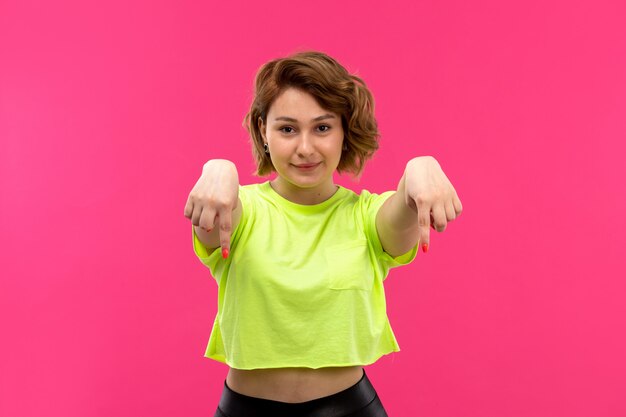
307	167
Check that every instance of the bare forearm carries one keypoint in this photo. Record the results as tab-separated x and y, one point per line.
397	223
402	216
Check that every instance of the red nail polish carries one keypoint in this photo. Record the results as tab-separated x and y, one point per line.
425	247
224	253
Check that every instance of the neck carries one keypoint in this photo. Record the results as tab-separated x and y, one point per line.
305	196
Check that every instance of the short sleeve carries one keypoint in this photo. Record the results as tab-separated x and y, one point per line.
212	258
207	256
371	204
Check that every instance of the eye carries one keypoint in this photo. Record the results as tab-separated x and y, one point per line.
286	127
326	126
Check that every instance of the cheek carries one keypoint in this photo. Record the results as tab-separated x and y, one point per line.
337	148
280	154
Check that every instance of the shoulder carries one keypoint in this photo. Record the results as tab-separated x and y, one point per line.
364	204
250	193
370	201
250	189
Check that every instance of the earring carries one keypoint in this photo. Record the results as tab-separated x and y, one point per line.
265	147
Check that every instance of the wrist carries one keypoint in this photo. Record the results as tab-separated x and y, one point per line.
213	162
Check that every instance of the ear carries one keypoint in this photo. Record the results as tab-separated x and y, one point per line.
262	129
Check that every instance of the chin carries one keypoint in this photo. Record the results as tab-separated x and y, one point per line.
300	183
304	181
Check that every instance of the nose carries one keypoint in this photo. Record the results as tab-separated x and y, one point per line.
305	146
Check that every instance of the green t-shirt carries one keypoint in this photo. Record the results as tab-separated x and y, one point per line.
303	284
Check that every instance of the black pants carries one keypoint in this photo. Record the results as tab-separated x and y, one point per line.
360	400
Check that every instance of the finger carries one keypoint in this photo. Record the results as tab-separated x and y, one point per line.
188	208
423	222
196	214
225	224
450	213
193	210
191	206
207	219
439	215
458	207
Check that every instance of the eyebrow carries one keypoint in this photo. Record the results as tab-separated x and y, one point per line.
317	119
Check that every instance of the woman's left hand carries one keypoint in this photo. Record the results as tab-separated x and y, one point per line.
430	193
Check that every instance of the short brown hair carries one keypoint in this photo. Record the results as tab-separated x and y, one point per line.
333	88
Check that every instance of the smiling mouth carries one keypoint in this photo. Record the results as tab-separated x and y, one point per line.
306	166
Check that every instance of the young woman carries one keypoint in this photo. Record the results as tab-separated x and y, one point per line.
301	302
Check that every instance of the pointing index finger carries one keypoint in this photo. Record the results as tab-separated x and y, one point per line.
225	231
424	221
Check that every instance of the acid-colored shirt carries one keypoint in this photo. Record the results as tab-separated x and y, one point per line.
303	284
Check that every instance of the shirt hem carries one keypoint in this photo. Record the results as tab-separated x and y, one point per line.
220	358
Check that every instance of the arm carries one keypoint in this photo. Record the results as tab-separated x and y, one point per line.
214	206
211	239
404	219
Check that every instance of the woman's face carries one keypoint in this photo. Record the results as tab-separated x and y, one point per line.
304	140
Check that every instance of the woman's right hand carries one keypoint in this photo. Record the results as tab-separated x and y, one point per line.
211	204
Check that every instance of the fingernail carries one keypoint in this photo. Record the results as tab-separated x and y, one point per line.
425	247
224	253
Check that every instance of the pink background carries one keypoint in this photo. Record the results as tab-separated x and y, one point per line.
109	109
